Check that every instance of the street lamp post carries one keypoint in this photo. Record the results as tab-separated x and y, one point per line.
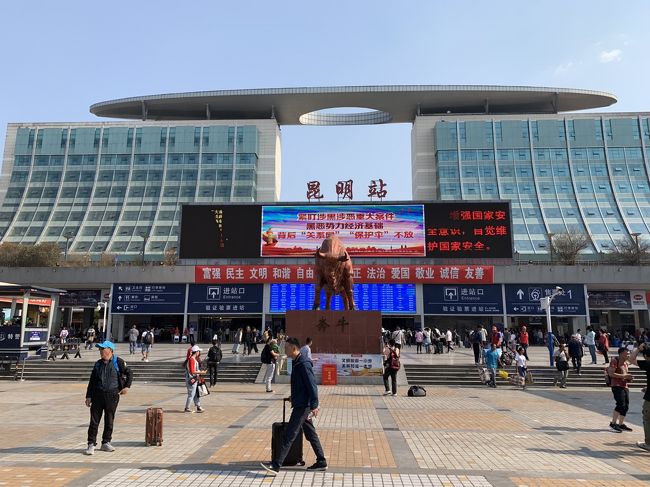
550	246
637	255
100	305
144	246
67	237
546	305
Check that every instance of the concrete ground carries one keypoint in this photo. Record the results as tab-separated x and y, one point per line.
454	437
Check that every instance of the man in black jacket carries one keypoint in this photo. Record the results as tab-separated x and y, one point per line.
304	401
214	358
109	379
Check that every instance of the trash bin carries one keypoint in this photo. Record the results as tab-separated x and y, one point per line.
329	375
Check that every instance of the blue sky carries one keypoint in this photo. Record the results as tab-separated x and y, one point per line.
60	57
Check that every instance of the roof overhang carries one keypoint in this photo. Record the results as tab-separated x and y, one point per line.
389	104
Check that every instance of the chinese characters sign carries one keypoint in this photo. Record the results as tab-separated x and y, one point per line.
148	298
304	273
365	230
523	299
376	188
468	230
463	300
225	298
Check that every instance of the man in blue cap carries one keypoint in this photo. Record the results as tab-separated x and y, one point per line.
110	378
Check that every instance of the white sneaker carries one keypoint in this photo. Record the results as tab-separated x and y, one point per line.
90	450
393	394
107	447
387	393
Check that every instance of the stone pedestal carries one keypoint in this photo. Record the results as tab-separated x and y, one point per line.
339	332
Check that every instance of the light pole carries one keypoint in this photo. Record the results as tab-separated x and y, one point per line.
550	246
145	237
637	255
546	305
100	305
67	237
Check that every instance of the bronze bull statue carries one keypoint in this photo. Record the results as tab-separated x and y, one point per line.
333	272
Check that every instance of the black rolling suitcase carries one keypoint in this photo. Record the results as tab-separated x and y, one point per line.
277	437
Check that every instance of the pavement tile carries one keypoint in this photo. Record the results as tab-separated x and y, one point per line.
39	476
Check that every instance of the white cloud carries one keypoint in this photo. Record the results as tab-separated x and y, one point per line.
563	68
610	56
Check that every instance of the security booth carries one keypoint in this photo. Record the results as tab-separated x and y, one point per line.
28	313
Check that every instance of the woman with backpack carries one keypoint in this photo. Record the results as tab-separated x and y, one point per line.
391	366
236	341
193	379
427	340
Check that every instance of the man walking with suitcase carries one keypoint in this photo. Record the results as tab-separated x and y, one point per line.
304	401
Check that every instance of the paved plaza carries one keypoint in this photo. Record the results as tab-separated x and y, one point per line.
454	437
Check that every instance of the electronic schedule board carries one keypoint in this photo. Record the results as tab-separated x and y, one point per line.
387	298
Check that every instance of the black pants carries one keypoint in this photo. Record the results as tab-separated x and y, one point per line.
419	347
213	368
477	352
449	347
102	403
392	373
298	423
251	346
622	398
577	363
525	347
606	356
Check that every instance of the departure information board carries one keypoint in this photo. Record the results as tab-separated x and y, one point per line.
387	298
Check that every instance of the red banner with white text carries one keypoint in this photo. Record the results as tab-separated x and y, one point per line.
427	274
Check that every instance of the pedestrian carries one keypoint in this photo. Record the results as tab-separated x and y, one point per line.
305	351
561	365
603	345
590	341
398	336
476	344
147	342
449	339
576	351
63	335
620	377
193	374
252	343
269	356
90	337
214	358
237	341
522	369
109	379
524	341
419	338
492	361
134	334
391	366
304	401
427	340
644	364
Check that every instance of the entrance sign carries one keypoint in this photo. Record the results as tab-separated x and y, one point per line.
148	299
225	299
523	299
463	300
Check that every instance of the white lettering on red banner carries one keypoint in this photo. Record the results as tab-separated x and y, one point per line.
428	274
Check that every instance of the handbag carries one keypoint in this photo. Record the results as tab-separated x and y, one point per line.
202	390
562	365
529	378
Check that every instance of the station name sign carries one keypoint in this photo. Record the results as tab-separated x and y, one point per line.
463	229
461	274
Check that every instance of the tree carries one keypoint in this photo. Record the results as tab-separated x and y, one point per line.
626	251
566	247
20	255
171	257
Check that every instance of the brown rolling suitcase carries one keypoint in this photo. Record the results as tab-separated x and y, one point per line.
154	429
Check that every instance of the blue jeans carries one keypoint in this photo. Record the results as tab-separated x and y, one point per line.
298	423
592	351
192	394
132	347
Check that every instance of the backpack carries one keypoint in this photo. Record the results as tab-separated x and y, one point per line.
476	337
265	356
215	354
417	391
146	339
120	374
394	361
